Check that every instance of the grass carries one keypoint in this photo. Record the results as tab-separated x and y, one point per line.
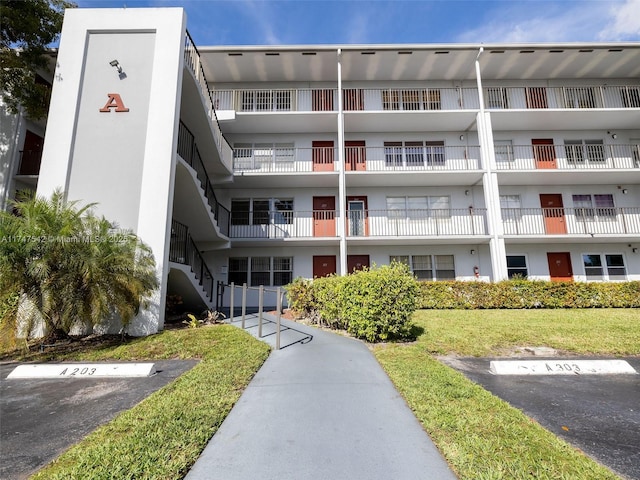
163	436
481	436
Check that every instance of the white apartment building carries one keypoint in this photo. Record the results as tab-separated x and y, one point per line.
261	164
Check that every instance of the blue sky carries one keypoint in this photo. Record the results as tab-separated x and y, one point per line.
255	22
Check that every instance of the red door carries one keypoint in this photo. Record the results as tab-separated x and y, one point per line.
324	265
560	266
357	217
553	212
355	155
322	152
357	262
537	97
322	100
544	153
31	154
353	99
324	211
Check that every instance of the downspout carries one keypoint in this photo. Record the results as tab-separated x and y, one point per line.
342	194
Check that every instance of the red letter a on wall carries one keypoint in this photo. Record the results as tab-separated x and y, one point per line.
114	102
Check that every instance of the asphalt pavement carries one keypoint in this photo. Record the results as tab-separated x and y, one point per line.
599	414
40	419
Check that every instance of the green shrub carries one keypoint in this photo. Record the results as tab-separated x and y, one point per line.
372	304
528	294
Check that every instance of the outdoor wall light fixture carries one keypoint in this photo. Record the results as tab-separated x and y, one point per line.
634	250
472	252
625	191
613	135
461	137
115	63
467	192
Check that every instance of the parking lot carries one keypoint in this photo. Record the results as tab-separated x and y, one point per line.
599	414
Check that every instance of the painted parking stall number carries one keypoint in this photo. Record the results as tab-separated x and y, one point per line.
78	371
563	367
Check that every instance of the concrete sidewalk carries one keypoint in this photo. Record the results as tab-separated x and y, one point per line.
324	409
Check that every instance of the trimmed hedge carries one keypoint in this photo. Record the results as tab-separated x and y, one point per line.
528	294
373	304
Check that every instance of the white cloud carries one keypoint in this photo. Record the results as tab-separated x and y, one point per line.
625	24
559	22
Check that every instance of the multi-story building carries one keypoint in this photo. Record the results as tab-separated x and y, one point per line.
261	164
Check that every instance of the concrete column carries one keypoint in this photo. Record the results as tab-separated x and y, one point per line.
342	193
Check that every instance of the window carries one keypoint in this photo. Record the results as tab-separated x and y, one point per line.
435	153
414	99
260	271
413	153
630	97
238	268
577	151
422	266
393	154
418	207
511	208
264	156
517	266
584	206
262	211
503	150
612	268
274	271
282	270
579	97
497	97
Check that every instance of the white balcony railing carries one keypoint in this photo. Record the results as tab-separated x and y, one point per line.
571	221
277	100
367	223
592	96
326	100
426	98
274	159
587	156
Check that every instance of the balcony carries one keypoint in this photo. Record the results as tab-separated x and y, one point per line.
369	225
609	222
570	97
555	164
274	159
277	100
615	107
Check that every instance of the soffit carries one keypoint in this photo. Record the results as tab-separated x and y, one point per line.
420	62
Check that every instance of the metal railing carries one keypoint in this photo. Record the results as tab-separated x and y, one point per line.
587	156
188	150
192	61
277	100
374	223
246	320
571	221
376	159
588	96
182	249
326	100
30	162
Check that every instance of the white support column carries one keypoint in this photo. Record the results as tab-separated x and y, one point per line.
342	194
490	185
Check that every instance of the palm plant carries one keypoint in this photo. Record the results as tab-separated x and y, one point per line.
69	268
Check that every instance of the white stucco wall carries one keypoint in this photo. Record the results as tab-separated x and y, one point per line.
124	161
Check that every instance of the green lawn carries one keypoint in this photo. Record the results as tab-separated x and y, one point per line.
163	436
481	436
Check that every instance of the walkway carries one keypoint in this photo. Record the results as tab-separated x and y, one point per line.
323	409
